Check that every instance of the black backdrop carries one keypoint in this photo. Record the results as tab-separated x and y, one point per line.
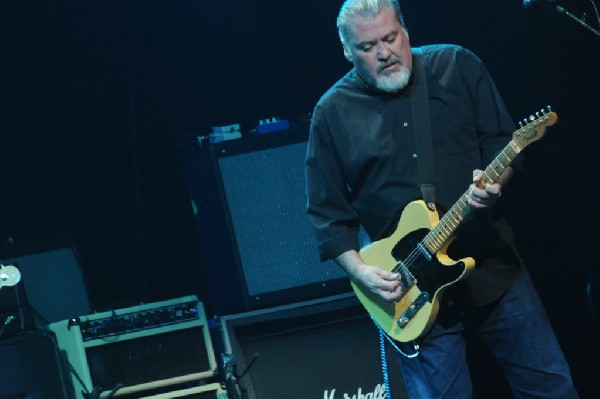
98	97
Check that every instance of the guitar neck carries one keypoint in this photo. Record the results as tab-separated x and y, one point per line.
531	129
448	224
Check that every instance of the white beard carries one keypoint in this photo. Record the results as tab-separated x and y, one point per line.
395	81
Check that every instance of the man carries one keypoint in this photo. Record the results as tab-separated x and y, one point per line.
362	169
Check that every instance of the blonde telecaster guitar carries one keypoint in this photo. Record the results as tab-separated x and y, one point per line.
417	249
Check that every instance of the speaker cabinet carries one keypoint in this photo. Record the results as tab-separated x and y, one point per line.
31	368
54	283
158	346
257	245
327	348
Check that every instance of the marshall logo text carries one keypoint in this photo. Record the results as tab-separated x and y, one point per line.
378	393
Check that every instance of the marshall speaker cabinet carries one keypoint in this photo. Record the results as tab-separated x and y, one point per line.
134	351
320	349
257	245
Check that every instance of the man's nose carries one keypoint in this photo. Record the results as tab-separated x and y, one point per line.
383	51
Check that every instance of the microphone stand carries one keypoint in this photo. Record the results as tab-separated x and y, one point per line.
563	10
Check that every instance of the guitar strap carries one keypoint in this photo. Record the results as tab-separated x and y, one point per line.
422	129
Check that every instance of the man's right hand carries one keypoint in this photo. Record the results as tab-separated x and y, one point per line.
381	282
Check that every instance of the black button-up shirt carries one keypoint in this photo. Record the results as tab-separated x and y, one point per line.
362	168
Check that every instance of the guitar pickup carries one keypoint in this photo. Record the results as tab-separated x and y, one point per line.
406	279
413	309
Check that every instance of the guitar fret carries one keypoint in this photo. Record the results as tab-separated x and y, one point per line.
436	239
513	150
486	175
445	228
501	164
495	173
452	219
497	165
508	159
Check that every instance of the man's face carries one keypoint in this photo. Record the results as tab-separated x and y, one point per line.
380	50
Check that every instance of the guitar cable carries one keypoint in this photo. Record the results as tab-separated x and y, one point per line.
384	362
415	345
384	366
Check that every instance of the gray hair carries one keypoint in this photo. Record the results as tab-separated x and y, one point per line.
352	8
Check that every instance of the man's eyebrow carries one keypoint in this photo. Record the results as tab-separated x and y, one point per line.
367	42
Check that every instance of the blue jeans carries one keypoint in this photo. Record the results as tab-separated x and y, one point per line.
516	331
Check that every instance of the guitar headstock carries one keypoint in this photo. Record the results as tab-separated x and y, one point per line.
9	275
533	128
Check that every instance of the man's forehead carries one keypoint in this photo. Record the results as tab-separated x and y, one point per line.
366	28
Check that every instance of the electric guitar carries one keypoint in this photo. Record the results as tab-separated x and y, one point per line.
417	249
9	275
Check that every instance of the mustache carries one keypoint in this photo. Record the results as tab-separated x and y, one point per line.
390	63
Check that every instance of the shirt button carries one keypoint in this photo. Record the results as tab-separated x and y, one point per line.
414	156
405	124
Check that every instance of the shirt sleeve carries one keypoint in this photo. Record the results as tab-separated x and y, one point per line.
329	210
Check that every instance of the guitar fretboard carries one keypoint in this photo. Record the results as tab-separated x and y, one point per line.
448	224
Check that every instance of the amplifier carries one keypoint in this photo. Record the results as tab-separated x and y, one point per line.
251	219
32	368
138	349
326	348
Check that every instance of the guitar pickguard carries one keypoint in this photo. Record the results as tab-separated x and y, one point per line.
430	275
424	275
422	270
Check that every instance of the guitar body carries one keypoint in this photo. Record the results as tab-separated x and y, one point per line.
431	276
417	249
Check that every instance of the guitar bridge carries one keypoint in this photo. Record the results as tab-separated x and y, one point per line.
413	309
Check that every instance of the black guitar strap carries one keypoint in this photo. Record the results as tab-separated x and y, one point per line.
422	128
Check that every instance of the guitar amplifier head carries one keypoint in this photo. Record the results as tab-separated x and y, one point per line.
139	348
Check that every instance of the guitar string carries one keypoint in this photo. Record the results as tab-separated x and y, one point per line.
442	227
497	166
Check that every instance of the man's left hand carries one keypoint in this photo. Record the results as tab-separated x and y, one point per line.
483	195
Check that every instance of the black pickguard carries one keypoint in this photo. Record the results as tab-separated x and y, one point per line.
430	274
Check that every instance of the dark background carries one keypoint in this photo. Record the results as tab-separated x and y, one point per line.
99	98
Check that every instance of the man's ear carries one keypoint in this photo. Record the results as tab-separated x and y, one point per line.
347	53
